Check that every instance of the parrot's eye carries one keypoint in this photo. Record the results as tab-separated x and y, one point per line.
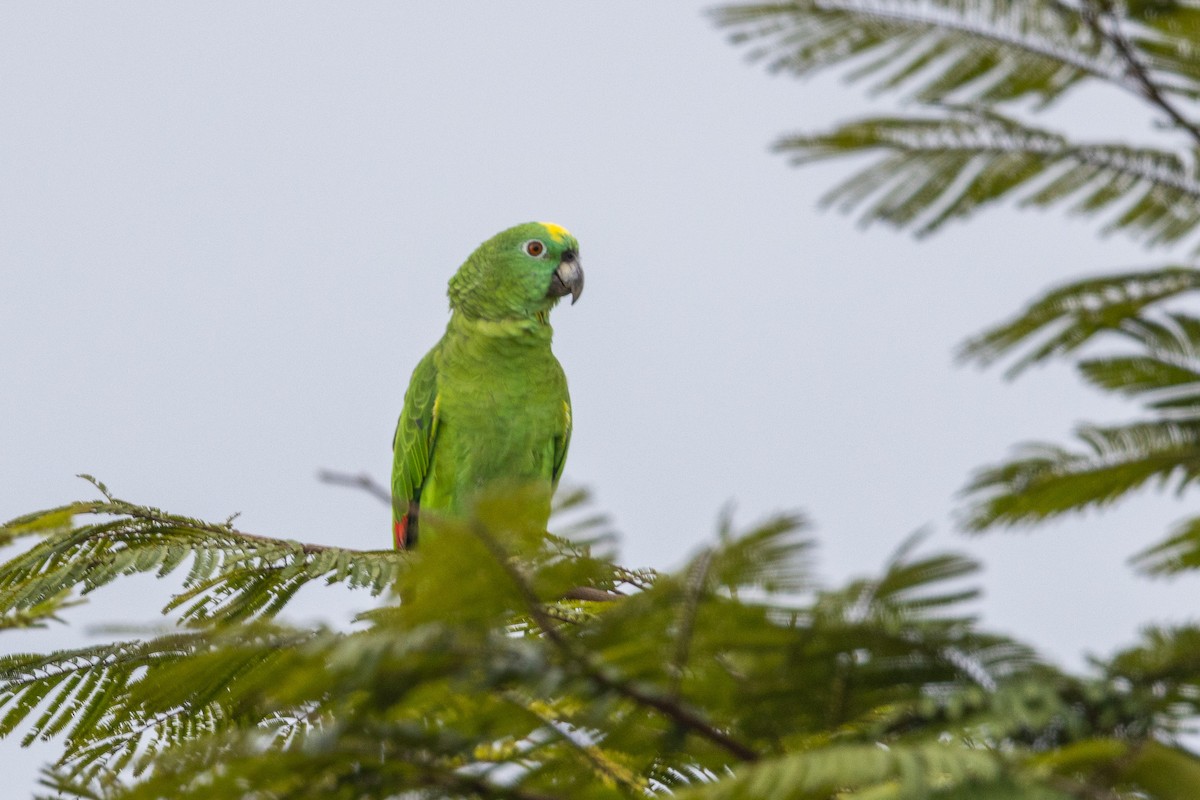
534	248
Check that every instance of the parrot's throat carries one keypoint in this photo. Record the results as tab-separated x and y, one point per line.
537	326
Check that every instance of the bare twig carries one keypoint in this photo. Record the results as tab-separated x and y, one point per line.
360	481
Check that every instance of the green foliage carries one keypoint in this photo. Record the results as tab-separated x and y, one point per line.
963	60
1043	480
965	143
116	705
934	169
735	677
230	575
504	662
900	771
38	614
994	51
1157	363
1180	552
991	52
1070	316
974	74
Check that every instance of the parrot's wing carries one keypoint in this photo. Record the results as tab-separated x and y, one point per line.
561	443
412	447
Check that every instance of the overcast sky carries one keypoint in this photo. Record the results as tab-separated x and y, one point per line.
226	230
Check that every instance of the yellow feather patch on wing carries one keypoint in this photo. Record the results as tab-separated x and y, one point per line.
567	413
557	231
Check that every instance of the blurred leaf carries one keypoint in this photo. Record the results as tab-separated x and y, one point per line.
993	51
1179	553
1043	481
934	169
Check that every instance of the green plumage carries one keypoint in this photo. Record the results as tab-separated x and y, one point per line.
488	404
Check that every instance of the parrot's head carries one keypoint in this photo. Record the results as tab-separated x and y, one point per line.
518	273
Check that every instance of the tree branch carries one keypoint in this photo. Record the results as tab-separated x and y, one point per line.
682	716
225	531
1092	11
365	482
911	15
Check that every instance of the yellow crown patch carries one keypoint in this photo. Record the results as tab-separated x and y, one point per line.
557	231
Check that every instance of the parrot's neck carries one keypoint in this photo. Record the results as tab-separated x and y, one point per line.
537	326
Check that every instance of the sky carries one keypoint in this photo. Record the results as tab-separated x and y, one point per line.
226	230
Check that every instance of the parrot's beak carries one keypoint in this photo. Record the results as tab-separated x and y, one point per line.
568	278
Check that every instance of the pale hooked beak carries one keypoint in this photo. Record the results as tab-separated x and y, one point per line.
568	278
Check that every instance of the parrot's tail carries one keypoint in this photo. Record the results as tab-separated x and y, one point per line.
404	531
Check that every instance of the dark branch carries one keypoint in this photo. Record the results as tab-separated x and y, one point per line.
682	716
1136	70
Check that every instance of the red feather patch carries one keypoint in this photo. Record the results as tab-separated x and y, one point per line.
400	532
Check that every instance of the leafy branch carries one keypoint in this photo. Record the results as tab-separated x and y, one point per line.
958	154
939	168
231	575
995	51
685	717
1158	365
714	681
992	52
1104	21
1073	315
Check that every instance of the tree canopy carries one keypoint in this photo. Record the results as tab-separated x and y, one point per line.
502	661
977	75
738	676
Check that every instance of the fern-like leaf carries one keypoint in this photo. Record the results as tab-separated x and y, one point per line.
1163	36
990	52
96	697
232	575
901	772
1179	553
1162	370
1072	315
707	682
934	169
1045	481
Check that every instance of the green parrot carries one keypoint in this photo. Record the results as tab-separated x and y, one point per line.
489	402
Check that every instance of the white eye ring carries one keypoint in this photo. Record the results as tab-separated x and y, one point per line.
535	248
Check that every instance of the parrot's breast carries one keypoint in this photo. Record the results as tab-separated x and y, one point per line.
500	417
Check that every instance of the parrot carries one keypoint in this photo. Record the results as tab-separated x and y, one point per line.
489	402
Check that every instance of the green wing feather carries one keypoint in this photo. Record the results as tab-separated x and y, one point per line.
412	445
561	444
